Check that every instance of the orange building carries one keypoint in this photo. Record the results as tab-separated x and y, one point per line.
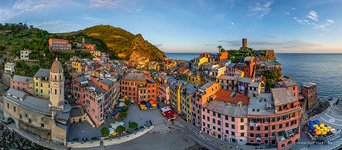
59	44
139	87
223	56
274	119
90	47
200	98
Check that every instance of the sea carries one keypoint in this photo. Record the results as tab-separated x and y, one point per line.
323	69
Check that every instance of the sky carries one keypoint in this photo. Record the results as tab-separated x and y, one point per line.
287	26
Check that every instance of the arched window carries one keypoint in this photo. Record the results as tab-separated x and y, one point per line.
55	91
55	77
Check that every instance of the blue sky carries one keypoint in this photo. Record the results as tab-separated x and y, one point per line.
297	26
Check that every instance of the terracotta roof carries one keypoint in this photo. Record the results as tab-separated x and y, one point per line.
230	97
182	70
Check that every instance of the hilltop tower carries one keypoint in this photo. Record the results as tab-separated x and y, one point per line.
56	85
244	43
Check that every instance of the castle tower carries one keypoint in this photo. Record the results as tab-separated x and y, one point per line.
56	85
244	43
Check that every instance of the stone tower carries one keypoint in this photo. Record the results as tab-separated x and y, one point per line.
56	86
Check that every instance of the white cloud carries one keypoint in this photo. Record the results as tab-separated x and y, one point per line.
324	26
313	15
31	5
25	6
314	22
57	26
260	9
130	6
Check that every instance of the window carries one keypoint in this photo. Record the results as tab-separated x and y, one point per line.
252	128
273	127
233	133
7	105
14	108
258	128
55	91
219	115
242	127
241	119
273	133
251	135
242	134
42	125
233	126
233	119
227	125
266	127
218	122
30	121
214	121
226	117
280	126
266	135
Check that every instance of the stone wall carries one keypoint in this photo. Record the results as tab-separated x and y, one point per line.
110	141
41	132
122	139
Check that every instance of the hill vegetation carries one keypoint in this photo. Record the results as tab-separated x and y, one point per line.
122	44
118	42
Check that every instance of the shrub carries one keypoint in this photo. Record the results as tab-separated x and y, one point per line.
124	108
120	129
123	115
105	131
133	125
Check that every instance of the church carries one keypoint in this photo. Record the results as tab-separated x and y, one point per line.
46	118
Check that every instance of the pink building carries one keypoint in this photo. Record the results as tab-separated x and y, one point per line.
22	83
163	89
224	116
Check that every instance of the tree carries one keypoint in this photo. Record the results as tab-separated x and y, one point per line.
127	102
105	131
133	125
120	129
124	108
123	115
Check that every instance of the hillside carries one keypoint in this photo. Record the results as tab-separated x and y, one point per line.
122	44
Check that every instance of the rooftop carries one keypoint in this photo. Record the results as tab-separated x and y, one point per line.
254	84
226	108
245	80
42	73
32	103
135	77
230	97
258	105
226	77
282	96
308	84
271	63
18	78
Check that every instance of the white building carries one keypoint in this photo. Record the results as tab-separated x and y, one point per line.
24	54
9	68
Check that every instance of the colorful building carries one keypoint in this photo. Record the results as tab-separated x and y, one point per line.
22	83
188	91
41	85
224	116
139	87
274	119
59	44
202	97
175	94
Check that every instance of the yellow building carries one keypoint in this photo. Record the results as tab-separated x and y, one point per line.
196	79
202	60
188	91
41	83
175	95
77	65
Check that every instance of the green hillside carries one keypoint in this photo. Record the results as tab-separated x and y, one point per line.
122	43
